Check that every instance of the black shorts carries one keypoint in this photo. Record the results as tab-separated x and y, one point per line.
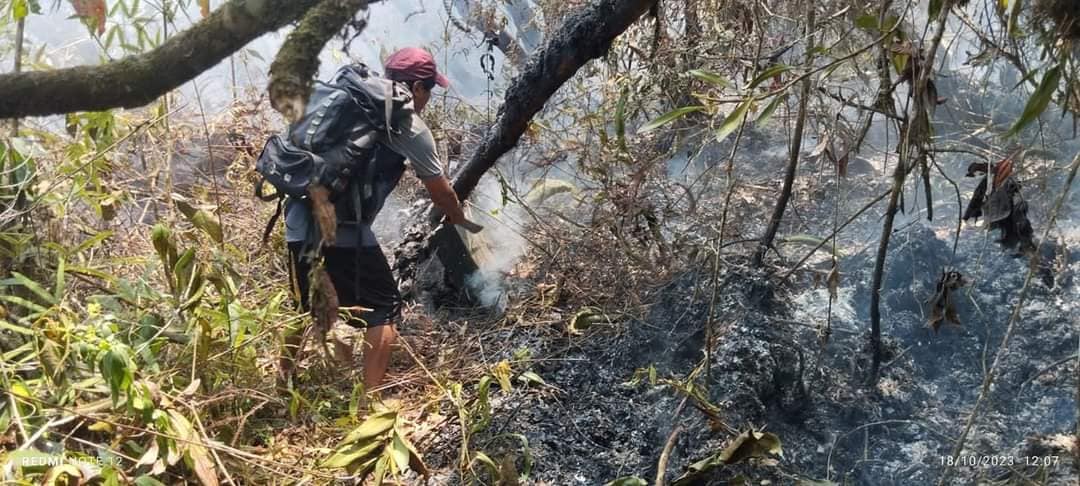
361	277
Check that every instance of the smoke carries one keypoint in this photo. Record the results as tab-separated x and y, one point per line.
499	246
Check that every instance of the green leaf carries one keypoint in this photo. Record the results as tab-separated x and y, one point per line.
733	120
399	455
484	459
627	481
29	284
531	377
1039	100
354	400
92	241
184	270
899	61
19	9
769	109
709	77
60	284
620	118
416	462
15	328
668	118
162	239
350	454
381	468
145	480
1013	28
115	368
867	22
934	8
773	70
374	426
37	309
202	220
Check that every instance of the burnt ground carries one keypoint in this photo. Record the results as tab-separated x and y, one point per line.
772	370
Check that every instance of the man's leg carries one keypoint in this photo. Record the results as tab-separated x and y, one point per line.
377	343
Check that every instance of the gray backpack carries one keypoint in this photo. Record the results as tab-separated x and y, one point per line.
333	143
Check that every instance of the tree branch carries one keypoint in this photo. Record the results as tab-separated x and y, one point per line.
297	62
584	36
137	80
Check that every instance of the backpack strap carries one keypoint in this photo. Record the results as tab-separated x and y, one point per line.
264	197
389	108
273	219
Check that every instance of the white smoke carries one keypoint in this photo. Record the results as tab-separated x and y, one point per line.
497	248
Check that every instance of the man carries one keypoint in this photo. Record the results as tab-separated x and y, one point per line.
355	263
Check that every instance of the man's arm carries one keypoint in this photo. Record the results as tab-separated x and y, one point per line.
416	144
444	197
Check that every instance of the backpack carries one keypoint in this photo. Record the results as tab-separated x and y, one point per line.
332	143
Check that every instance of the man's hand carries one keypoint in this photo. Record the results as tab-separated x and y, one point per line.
442	194
471	226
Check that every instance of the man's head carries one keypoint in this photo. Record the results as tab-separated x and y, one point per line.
415	67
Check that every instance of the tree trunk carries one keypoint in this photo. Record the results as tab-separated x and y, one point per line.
19	34
137	80
796	148
585	35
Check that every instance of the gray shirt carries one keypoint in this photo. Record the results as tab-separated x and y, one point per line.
414	142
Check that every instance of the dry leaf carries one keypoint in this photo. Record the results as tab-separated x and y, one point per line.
834	281
94	11
942	308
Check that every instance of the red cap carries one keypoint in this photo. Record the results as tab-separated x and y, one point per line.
413	63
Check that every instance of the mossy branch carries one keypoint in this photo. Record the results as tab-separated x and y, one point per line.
140	79
297	62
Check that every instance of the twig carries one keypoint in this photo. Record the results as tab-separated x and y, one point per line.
661	467
833	235
1048	367
794	152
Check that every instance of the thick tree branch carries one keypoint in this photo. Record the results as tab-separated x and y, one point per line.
138	80
584	36
297	62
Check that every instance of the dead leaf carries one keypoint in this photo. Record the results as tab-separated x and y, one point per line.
93	11
751	444
204	7
834	281
747	445
942	308
324	302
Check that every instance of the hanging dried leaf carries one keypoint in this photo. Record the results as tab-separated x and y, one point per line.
942	307
204	7
834	281
93	13
324	302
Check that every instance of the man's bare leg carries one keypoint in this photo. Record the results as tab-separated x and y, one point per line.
377	342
